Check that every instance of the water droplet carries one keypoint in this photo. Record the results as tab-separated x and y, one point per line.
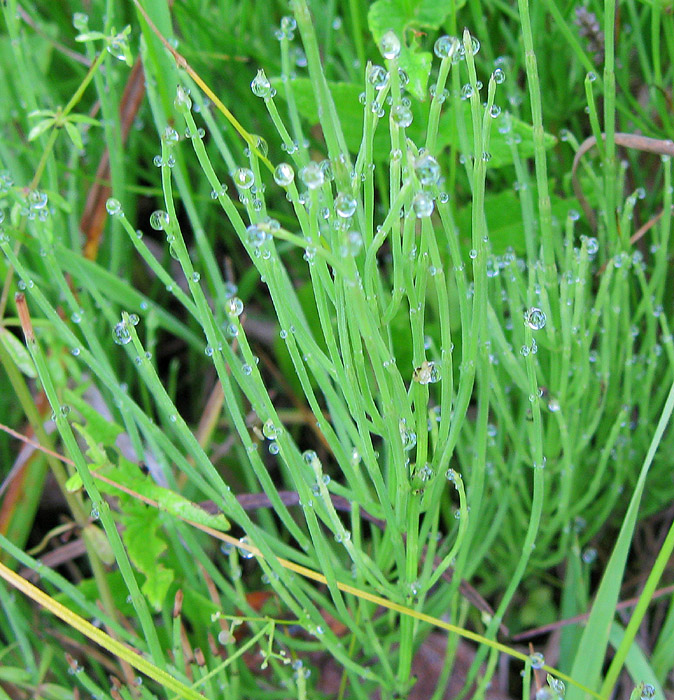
234	306
427	170
466	91
534	318
255	236
401	115
261	86
170	135
244	553
182	101
589	555
446	46
345	205
378	76
121	334
273	448
196	277
647	692
312	175
208	351
37	200
390	45
159	220
244	178
537	660
269	430
592	245
591	76
557	686
113	206
408	437
423	205
133	319
284	174
81	21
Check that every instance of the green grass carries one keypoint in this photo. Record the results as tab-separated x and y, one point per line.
447	386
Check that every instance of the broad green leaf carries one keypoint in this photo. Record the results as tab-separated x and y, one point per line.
399	15
349	111
103	431
503	212
499	148
145	546
504	222
17	351
417	65
404	18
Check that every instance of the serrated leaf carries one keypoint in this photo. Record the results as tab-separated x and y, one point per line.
156	586
129	476
18	352
40	128
74	135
